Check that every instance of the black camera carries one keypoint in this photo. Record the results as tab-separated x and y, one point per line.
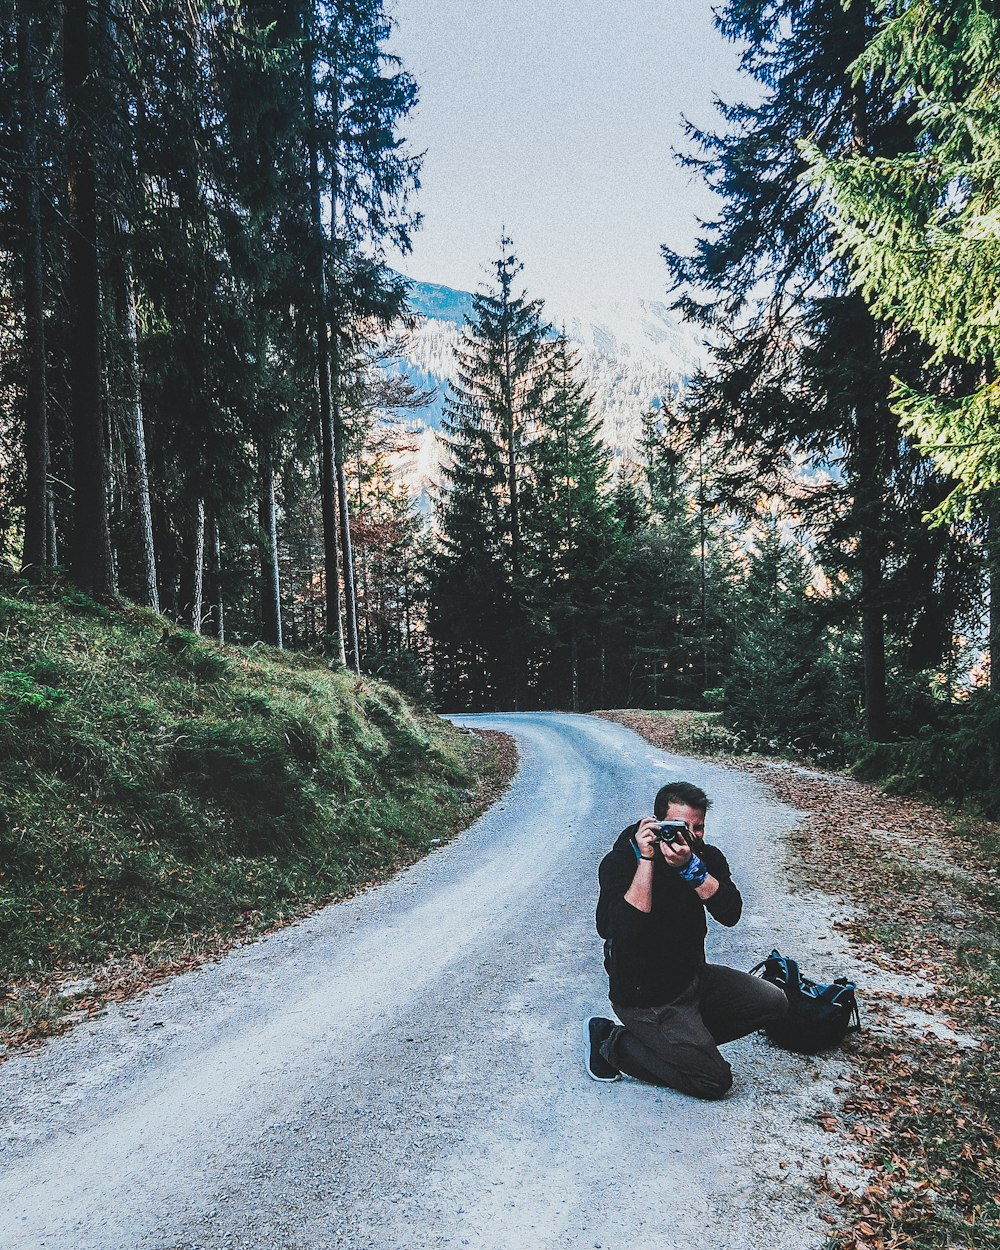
673	832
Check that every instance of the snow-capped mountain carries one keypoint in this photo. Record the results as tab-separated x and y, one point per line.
631	358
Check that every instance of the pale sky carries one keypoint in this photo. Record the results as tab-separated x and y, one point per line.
555	120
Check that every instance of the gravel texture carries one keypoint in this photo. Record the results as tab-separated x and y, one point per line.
404	1069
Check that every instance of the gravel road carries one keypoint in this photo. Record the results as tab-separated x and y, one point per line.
404	1070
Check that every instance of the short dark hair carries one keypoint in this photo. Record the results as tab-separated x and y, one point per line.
680	792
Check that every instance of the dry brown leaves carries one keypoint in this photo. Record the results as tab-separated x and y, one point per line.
921	1109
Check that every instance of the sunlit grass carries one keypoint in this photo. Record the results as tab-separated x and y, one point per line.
157	787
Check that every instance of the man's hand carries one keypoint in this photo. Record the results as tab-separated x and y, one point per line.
646	835
677	854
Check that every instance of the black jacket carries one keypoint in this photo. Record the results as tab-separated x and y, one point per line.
652	957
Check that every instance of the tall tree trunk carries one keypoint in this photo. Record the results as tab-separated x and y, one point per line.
873	418
328	474
518	651
92	566
36	556
993	574
333	319
135	433
270	583
309	606
194	569
51	535
218	616
871	550
344	509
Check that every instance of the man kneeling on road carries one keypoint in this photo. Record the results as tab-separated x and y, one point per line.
657	882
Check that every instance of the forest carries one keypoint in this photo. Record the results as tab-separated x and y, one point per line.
198	411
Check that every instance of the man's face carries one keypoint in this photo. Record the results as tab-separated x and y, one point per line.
693	817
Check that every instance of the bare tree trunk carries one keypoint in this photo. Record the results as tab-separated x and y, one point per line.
328	502
91	557
346	547
328	476
51	536
871	423
194	571
135	435
518	651
215	580
270	584
36	555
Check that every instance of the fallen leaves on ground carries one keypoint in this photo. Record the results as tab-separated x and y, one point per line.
921	895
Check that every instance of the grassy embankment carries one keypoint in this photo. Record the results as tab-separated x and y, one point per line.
923	900
161	798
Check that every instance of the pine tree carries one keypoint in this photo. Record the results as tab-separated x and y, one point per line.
658	624
264	229
772	236
781	690
359	96
174	272
480	618
920	228
569	527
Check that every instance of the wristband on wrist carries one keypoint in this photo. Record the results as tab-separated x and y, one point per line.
694	871
639	854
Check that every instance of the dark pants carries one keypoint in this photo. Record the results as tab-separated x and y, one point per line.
677	1044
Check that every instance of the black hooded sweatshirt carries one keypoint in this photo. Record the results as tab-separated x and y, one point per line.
652	957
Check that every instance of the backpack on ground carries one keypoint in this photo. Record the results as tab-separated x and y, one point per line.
819	1016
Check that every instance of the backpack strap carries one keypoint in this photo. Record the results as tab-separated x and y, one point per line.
792	973
844	984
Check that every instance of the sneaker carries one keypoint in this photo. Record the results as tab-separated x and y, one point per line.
596	1031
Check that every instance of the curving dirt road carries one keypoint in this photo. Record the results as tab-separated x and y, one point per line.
404	1070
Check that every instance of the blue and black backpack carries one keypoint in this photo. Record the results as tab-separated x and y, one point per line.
819	1016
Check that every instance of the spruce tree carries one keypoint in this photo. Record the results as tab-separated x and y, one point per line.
781	690
920	227
358	98
569	529
765	274
657	624
263	231
480	617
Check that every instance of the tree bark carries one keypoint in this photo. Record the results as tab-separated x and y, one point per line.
91	563
51	535
36	555
871	553
870	480
270	583
328	475
346	546
518	654
194	570
135	444
215	581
